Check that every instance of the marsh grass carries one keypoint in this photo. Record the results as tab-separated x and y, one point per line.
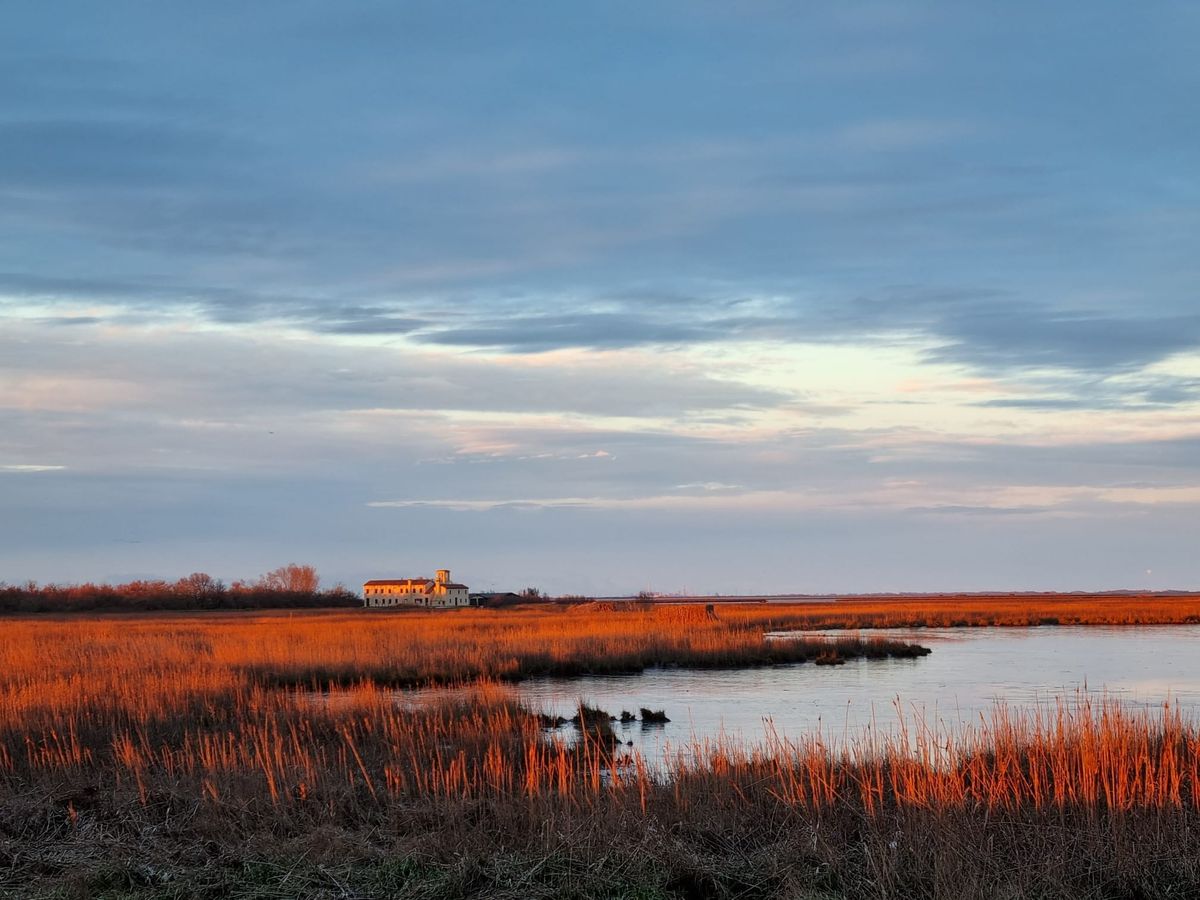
398	648
157	758
970	610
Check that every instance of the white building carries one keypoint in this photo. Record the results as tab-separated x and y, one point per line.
435	593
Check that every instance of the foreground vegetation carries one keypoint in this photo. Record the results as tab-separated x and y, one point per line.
171	756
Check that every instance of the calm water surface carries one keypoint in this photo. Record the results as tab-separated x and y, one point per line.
967	673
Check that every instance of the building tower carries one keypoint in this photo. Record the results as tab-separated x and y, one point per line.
443	576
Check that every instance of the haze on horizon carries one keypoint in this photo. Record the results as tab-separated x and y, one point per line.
599	298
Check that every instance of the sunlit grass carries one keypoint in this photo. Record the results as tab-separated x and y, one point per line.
972	610
117	731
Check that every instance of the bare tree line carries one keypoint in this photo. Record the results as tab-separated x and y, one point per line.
290	586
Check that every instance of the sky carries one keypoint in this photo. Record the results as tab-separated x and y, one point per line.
602	297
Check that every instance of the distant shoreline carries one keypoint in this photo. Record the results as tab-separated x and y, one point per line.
906	596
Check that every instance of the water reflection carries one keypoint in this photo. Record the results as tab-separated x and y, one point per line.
968	672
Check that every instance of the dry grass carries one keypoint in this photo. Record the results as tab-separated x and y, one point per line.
157	757
972	610
171	651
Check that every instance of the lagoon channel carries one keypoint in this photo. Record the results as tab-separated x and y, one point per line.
970	671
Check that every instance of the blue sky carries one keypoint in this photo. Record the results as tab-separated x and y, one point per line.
602	297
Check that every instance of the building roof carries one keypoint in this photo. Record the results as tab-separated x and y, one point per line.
408	582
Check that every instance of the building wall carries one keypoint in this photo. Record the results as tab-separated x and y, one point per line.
440	597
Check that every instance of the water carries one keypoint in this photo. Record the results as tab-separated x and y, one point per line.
967	673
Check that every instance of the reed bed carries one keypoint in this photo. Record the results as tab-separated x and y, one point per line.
399	648
971	610
159	757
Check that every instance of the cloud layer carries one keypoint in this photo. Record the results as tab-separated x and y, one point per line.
601	299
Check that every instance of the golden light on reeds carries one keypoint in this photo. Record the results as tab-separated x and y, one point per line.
192	706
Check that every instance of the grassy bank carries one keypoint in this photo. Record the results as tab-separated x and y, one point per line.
398	648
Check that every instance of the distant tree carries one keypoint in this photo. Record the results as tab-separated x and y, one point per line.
532	593
340	595
200	589
199	583
292	577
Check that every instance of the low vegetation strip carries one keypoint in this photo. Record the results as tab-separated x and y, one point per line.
971	610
